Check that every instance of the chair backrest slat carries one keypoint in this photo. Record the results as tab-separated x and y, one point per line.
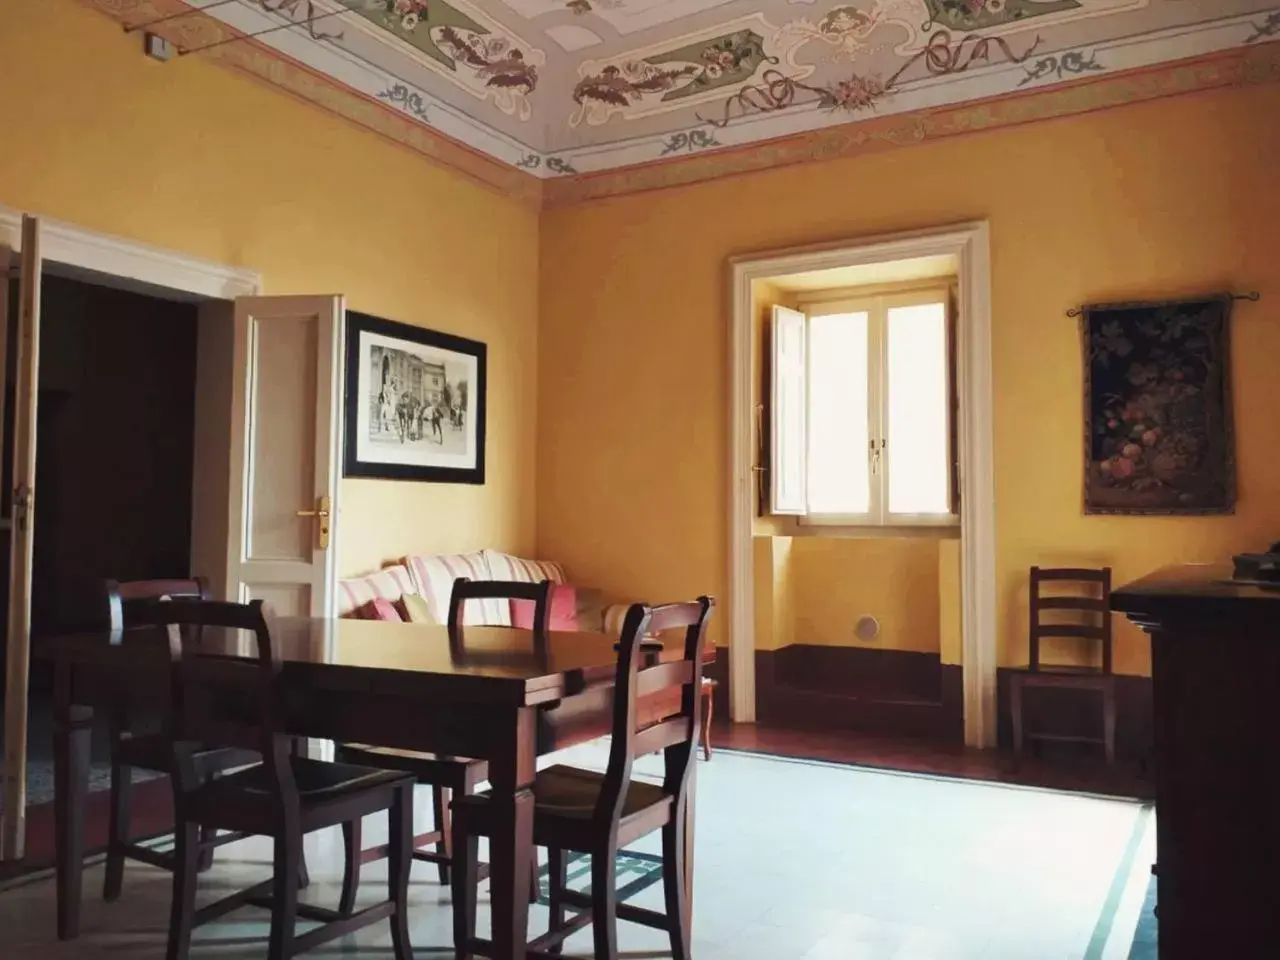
1072	603
464	589
663	676
638	675
1078	631
663	734
125	596
1094	605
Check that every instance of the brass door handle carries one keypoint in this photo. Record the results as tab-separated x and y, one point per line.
321	512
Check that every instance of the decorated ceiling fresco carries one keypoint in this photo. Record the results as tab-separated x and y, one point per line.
556	87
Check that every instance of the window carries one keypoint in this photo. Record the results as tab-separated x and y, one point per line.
862	411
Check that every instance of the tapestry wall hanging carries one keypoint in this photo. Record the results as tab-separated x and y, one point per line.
1157	395
415	403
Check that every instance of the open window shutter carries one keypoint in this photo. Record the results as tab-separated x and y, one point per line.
787	473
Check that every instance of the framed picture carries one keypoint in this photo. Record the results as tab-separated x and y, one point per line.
1157	396
415	403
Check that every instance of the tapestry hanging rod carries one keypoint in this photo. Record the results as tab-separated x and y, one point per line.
1253	297
308	22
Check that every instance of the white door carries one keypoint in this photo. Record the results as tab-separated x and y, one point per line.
21	529
285	436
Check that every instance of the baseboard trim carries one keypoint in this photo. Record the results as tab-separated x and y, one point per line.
822	701
865	690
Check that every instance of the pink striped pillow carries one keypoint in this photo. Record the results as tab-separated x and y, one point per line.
379	608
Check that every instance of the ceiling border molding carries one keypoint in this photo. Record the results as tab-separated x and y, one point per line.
1240	66
1232	67
269	66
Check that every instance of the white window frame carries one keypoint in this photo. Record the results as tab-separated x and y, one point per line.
877	307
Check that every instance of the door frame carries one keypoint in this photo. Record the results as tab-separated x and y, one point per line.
142	266
971	245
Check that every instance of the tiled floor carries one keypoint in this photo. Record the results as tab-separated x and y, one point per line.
795	861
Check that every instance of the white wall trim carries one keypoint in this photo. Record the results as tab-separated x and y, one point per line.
120	257
970	243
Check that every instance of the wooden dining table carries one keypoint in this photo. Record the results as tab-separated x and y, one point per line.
492	693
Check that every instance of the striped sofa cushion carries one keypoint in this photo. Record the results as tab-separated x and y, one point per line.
434	576
390	583
503	566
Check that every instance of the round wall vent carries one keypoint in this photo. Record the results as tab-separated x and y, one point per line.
867	628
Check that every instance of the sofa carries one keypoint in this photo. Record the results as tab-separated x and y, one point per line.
419	587
385	594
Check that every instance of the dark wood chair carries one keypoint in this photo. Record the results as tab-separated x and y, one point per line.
445	775
1092	604
599	814
233	700
147	751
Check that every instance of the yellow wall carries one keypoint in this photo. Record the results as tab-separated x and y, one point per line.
835	581
195	158
774	592
950	635
1170	197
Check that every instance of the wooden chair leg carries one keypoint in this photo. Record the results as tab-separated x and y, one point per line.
444	846
466	858
673	886
352	832
558	879
182	907
284	894
1015	712
399	861
604	903
708	713
205	861
118	825
299	748
1109	723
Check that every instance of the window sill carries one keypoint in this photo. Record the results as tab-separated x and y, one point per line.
835	528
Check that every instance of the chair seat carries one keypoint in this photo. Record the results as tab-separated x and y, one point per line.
434	769
1063	675
154	752
316	779
246	800
566	791
570	792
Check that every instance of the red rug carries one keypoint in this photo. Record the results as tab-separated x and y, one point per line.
152	815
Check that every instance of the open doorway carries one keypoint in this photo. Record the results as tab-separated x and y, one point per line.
115	450
957	258
856	534
242	413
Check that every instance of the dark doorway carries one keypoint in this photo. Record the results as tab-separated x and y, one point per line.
114	447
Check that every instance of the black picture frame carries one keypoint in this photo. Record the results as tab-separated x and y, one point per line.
409	390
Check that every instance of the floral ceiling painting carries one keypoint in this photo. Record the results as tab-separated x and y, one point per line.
556	87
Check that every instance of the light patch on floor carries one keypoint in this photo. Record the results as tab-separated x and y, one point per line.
795	861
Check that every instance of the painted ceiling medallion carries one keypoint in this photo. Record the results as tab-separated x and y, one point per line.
555	88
